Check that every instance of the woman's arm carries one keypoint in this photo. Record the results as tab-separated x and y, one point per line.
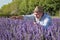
17	17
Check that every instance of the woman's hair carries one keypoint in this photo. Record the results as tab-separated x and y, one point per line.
38	9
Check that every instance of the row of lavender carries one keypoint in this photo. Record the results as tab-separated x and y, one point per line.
15	29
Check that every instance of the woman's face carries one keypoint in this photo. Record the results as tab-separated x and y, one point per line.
38	14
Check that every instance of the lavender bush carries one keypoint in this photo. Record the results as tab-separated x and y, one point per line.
15	29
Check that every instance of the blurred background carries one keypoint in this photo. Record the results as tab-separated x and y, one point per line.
10	8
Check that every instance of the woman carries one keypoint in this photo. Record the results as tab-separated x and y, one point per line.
38	15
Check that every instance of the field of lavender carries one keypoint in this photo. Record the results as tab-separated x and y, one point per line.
16	29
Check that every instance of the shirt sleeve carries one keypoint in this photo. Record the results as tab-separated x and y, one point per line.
27	16
47	22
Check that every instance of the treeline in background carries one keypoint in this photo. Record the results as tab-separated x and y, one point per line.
23	7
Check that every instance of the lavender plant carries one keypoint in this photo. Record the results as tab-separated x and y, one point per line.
16	29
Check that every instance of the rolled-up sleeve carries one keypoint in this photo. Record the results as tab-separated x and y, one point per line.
47	22
27	17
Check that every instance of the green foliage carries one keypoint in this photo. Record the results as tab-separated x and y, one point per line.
22	7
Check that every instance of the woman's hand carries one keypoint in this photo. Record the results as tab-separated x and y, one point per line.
34	23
